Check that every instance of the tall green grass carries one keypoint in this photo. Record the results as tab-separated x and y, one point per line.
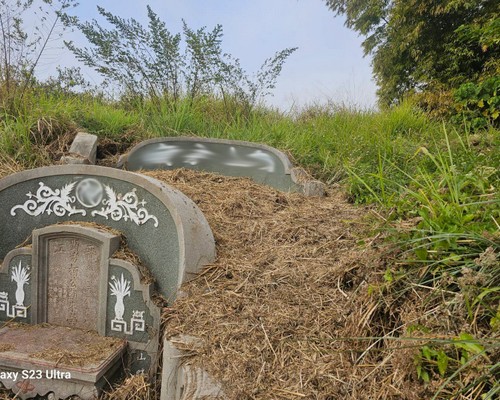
451	251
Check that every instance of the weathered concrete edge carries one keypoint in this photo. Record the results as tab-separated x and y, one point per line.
310	187
182	381
299	176
193	229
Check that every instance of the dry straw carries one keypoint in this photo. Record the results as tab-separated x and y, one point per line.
289	287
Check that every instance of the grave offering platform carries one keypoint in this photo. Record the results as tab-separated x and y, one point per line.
38	359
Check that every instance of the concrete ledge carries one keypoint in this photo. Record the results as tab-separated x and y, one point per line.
310	187
182	381
83	150
30	375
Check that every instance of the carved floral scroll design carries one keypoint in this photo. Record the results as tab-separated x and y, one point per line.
125	207
76	197
48	201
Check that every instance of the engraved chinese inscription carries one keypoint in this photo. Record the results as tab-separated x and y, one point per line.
73	293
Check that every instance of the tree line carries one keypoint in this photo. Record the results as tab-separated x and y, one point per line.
443	53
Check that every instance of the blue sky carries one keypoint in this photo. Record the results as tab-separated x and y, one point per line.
329	64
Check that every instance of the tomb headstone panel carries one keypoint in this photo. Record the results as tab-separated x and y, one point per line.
73	297
162	226
262	163
71	264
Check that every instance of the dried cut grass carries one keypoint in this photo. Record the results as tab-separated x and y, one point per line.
5	394
9	165
5	347
279	311
52	138
135	387
89	352
109	150
294	305
87	349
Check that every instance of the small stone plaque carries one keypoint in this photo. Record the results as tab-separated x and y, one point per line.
72	293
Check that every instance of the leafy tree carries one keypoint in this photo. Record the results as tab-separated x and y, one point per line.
151	62
479	104
425	45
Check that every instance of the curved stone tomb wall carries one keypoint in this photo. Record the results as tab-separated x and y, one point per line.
263	164
162	226
59	232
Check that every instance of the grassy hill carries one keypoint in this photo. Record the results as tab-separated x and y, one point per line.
432	189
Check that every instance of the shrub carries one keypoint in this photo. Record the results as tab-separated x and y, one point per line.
478	104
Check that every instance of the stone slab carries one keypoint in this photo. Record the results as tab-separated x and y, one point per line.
263	164
32	349
83	150
73	296
180	379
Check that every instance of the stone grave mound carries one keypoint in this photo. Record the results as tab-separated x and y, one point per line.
85	252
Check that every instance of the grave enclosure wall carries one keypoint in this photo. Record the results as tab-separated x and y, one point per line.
61	227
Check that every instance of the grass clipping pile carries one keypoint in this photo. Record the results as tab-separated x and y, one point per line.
289	287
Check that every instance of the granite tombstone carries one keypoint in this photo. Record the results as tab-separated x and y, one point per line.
60	232
262	163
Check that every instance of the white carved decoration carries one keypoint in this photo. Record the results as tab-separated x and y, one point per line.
48	201
137	324
89	193
125	207
120	288
21	276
